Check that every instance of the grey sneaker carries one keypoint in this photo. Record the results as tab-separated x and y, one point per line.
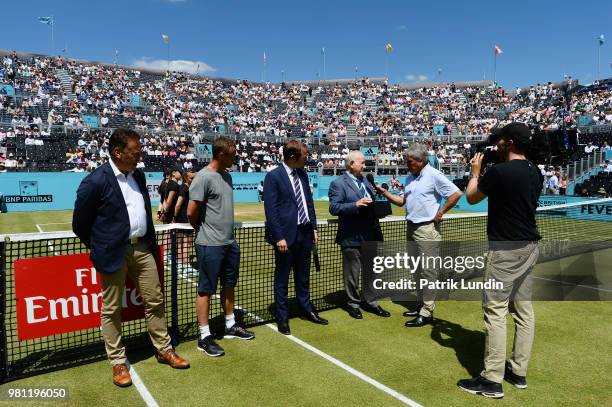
210	347
239	332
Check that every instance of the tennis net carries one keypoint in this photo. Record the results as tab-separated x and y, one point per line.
23	353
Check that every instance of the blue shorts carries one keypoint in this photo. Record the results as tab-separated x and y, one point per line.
217	263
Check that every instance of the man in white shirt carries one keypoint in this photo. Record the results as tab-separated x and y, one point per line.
589	148
112	217
424	189
552	185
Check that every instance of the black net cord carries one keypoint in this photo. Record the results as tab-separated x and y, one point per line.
174	331
3	343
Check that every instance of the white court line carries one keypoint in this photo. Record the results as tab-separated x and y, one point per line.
351	370
142	389
55	223
333	360
574	285
48	244
340	364
138	383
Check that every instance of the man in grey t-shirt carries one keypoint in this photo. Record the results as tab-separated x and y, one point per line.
211	213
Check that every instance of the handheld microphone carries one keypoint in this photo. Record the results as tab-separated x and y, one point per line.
370	178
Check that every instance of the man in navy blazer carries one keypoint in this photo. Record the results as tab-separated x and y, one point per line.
291	227
351	199
112	217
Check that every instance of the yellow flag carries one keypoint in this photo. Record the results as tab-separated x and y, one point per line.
165	38
388	47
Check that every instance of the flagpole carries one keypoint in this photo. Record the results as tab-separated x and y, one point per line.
52	40
494	67
386	65
324	74
598	60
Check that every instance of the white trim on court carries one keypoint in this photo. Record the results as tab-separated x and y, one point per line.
142	389
48	244
351	370
393	393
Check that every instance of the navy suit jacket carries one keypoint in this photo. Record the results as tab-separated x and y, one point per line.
355	225
281	207
100	218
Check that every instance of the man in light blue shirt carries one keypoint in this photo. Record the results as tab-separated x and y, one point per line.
424	189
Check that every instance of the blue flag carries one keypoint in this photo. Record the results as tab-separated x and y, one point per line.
45	20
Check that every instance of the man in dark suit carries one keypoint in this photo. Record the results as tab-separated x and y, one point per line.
350	198
112	217
291	227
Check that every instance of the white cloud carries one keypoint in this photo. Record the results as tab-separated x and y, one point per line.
416	78
401	27
175	65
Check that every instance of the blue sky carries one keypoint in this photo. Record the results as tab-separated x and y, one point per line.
541	40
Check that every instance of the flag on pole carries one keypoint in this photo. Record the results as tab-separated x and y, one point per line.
165	38
323	50
45	20
498	50
388	48
264	57
601	39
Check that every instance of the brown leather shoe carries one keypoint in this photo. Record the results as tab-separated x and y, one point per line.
172	359
121	375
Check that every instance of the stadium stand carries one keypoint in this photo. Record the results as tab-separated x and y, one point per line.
63	111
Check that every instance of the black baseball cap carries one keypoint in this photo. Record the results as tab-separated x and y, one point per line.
518	132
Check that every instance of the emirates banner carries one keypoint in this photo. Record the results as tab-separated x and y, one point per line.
62	294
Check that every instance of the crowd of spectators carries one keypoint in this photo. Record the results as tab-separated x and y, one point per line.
175	110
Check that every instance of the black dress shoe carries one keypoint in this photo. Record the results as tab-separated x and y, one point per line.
354	312
378	310
411	313
283	327
312	316
420	320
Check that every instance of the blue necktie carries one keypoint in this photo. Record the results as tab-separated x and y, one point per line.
298	197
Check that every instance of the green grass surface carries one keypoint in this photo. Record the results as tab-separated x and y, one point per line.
51	221
569	364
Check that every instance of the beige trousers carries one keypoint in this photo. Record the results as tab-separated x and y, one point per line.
512	267
140	266
425	237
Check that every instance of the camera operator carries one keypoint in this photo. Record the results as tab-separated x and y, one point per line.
513	188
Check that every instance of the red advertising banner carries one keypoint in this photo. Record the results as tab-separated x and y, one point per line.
61	294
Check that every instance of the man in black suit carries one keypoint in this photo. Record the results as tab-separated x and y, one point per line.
112	217
291	227
351	199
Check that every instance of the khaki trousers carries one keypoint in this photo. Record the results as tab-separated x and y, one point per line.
425	236
140	266
513	267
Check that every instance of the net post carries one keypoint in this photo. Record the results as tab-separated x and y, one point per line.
174	287
4	369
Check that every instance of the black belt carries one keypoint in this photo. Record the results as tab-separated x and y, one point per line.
305	225
136	240
419	223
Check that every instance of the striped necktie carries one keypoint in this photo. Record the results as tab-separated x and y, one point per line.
362	189
302	218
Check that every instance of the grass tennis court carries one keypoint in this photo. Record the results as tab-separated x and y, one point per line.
51	221
569	364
